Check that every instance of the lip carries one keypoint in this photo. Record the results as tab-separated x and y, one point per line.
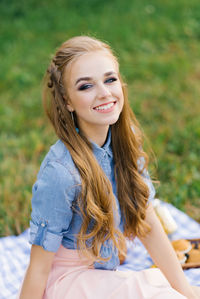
105	104
106	110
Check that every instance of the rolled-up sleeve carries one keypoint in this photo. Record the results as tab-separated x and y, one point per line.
52	196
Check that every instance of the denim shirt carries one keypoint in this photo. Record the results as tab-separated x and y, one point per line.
54	218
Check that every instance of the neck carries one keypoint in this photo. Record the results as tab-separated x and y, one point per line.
97	135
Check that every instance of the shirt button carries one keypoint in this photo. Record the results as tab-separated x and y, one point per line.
43	224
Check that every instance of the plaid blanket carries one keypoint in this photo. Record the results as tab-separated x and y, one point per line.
14	255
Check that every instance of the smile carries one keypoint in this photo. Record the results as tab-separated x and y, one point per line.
105	107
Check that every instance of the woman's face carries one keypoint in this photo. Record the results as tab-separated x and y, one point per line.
94	91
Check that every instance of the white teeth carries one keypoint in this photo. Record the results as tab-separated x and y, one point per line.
105	107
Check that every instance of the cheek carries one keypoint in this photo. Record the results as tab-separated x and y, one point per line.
119	92
121	96
83	101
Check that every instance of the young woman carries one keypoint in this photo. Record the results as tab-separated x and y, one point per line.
93	189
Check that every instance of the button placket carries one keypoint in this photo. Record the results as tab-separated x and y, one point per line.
106	165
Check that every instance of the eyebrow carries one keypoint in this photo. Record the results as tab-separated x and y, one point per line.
89	78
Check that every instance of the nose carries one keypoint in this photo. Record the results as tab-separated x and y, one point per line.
103	91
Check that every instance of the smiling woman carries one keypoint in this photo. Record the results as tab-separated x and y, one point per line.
97	98
93	189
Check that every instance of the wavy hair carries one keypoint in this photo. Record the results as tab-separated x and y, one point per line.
96	199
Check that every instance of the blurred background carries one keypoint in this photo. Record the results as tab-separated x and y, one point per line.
158	45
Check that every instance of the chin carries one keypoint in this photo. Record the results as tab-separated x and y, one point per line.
114	120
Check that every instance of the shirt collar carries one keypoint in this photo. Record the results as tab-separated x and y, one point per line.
100	152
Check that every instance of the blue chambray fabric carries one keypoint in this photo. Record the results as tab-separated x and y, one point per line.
55	217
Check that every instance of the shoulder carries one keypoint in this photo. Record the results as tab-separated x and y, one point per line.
58	160
57	173
58	152
56	186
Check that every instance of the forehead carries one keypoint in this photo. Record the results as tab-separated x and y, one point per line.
92	64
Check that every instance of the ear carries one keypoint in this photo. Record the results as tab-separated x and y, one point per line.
68	104
69	108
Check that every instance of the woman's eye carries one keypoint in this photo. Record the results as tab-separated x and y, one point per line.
110	80
84	86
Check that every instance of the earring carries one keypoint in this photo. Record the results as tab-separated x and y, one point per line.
72	116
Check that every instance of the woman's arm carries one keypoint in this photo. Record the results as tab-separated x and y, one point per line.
37	273
164	256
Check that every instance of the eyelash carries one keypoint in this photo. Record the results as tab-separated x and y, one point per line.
86	86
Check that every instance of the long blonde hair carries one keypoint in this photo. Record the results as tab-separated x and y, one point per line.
96	198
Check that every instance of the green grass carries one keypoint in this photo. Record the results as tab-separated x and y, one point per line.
158	44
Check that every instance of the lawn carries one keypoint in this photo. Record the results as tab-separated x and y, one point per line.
158	45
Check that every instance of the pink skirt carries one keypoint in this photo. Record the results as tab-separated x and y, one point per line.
72	277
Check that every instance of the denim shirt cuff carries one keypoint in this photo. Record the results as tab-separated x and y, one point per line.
39	235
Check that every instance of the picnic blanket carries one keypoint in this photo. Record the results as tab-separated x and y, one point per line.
15	250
